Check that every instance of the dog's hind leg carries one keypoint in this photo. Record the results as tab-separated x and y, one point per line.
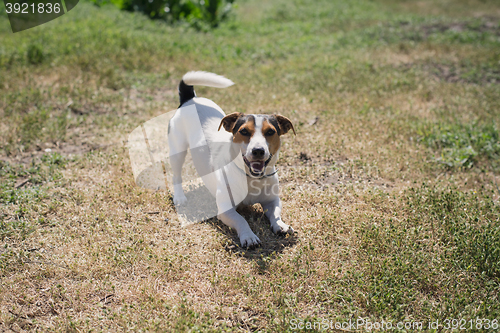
178	148
176	161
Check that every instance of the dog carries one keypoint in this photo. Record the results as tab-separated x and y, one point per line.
249	144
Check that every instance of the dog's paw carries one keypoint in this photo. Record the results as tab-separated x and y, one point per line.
249	240
281	228
180	199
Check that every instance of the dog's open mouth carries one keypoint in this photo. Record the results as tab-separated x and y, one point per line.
257	167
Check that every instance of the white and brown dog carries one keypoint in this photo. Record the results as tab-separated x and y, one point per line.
251	141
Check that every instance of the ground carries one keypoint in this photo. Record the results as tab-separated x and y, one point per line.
391	183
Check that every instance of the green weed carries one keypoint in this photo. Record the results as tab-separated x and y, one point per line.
35	54
462	145
36	173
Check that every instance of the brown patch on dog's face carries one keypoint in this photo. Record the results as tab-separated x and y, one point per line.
244	129
270	132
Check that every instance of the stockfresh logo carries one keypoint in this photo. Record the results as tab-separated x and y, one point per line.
26	14
151	155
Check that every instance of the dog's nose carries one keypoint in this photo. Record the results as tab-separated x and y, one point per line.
258	152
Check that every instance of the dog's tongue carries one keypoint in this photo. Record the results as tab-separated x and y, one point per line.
257	167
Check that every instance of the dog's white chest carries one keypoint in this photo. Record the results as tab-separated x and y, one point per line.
262	190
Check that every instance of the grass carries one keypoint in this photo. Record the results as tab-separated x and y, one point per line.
463	145
417	260
391	182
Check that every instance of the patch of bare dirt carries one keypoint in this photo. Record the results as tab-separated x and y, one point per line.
408	31
490	25
325	174
482	74
63	148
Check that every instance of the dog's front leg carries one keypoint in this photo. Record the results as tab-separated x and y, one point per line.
232	219
272	210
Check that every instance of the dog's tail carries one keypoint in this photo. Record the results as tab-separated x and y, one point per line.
190	79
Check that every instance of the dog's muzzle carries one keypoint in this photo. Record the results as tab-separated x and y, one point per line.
257	168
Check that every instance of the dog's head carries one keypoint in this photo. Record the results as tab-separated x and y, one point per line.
258	137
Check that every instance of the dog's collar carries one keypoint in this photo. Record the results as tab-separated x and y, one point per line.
265	176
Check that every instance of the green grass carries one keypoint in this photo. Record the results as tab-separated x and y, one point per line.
393	191
25	194
442	241
36	173
463	145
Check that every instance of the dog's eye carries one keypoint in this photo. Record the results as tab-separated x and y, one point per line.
244	132
270	132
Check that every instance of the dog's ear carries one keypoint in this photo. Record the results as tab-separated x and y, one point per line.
229	121
285	124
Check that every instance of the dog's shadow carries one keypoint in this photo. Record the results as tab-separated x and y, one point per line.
201	207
